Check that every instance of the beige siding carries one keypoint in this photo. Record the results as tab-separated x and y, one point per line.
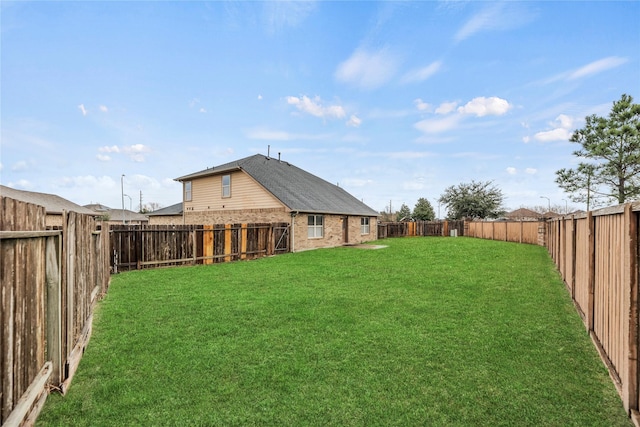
206	194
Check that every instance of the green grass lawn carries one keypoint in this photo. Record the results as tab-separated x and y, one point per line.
428	331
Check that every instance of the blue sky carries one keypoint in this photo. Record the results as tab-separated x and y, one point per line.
391	100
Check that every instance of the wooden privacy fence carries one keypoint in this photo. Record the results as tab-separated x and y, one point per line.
420	228
138	247
597	256
49	283
509	231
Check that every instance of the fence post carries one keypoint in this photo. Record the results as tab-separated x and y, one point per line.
630	393
227	242
243	241
592	269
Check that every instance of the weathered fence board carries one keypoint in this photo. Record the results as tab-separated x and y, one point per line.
138	247
420	228
49	281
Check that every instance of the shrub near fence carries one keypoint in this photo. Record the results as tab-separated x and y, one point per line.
138	247
49	283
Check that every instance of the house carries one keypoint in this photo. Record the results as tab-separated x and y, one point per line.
117	216
54	205
260	189
523	214
171	215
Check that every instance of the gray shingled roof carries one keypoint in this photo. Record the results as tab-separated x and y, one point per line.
52	203
169	210
295	188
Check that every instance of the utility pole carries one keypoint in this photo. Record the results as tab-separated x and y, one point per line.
140	201
122	194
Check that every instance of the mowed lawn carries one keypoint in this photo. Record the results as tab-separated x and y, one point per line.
428	331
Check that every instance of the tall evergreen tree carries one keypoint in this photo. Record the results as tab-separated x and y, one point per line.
610	148
423	210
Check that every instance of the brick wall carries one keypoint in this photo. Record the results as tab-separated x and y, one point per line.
333	232
236	216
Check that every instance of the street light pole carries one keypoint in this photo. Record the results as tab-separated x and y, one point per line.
130	207
548	200
122	193
566	206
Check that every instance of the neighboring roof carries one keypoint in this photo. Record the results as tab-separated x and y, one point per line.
52	203
168	211
116	214
523	213
295	188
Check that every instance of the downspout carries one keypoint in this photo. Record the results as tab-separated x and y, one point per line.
293	230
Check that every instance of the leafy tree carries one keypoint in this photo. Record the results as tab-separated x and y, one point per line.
403	213
473	200
611	150
423	210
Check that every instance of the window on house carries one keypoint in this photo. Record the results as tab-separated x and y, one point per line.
315	226
226	185
187	191
364	225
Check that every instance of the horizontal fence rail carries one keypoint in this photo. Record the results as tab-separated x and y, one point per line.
139	247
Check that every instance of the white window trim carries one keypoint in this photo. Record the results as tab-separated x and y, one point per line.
228	187
188	191
365	228
315	227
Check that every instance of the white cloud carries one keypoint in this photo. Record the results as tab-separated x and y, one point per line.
512	170
19	166
422	74
315	107
421	105
202	110
495	16
558	134
136	152
438	125
446	107
103	157
482	106
354	121
561	130
104	109
281	14
367	70
107	149
526	139
356	182
597	67
531	171
82	109
21	184
259	97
